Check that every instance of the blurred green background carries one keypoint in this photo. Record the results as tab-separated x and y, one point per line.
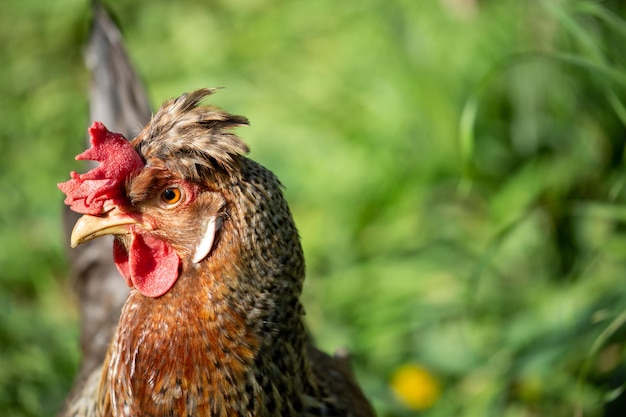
455	168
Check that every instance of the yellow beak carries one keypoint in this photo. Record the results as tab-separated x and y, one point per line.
88	227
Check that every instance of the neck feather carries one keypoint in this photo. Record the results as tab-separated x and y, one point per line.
206	349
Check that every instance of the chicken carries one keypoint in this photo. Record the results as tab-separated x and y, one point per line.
242	347
118	98
213	324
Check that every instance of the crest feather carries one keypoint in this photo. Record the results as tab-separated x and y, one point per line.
187	137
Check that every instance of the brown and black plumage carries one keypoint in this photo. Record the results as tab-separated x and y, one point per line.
228	337
224	335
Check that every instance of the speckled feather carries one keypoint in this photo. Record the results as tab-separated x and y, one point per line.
228	339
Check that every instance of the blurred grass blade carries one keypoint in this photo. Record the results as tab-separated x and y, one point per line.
599	342
466	141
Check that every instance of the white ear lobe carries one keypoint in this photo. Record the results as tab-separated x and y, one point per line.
206	243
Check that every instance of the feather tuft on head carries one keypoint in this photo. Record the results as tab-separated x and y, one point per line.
187	138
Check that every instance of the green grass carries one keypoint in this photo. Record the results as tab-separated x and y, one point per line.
455	169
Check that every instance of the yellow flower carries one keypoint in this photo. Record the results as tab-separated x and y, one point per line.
415	387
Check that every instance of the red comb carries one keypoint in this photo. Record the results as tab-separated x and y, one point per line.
87	193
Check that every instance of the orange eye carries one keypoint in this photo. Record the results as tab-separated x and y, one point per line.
171	196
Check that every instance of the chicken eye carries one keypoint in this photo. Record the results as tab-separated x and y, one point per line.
171	196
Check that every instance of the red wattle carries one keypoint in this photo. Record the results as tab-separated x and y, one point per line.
150	265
